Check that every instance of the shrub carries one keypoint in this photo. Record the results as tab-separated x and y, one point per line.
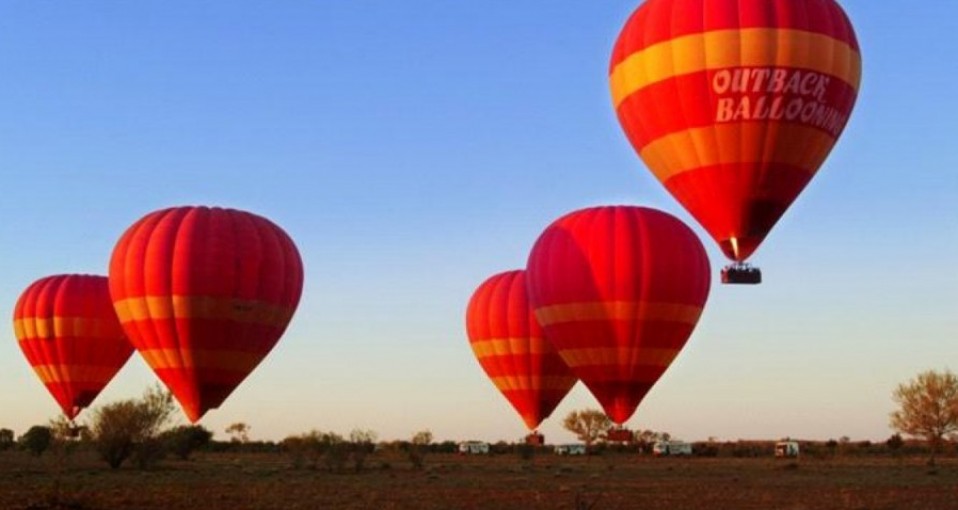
182	441
418	447
120	428
525	451
37	439
363	444
6	439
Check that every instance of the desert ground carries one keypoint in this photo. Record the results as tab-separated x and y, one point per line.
234	481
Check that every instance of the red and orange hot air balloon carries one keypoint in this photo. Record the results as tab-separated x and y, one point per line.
618	291
204	294
66	327
735	104
510	347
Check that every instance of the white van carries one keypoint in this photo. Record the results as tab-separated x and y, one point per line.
671	448
473	448
786	449
570	449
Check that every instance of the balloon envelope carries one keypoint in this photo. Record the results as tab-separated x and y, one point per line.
204	294
735	104
618	291
509	345
66	327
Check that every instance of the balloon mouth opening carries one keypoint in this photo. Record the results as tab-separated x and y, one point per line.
738	249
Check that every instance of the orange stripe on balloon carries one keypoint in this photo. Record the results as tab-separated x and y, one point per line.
74	373
610	357
234	361
31	328
712	146
547	383
510	347
752	47
618	310
202	307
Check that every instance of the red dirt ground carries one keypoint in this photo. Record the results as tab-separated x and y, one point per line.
267	481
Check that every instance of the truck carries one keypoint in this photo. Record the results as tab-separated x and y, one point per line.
786	449
570	449
671	448
473	448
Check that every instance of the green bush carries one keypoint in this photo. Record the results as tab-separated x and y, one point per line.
37	439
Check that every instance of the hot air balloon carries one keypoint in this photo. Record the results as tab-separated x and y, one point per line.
509	345
618	291
67	329
734	105
204	294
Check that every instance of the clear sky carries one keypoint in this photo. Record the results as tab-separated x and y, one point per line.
414	148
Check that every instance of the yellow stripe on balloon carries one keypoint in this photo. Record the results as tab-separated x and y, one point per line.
673	154
34	328
603	356
750	47
618	310
510	347
202	307
229	360
509	383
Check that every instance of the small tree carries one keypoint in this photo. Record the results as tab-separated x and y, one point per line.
363	444
182	441
121	429
6	439
419	446
37	439
307	450
588	425
894	443
239	432
336	451
928	408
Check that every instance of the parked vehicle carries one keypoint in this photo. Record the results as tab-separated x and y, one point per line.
570	449
671	448
473	448
786	449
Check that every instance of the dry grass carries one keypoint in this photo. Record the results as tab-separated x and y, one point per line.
266	481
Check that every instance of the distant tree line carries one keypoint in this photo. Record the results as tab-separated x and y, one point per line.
140	431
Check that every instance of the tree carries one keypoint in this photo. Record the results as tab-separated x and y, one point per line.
894	443
307	450
928	408
363	444
185	439
129	427
37	439
6	439
646	439
588	425
239	432
419	446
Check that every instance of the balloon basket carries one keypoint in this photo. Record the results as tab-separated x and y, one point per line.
536	439
622	435
741	274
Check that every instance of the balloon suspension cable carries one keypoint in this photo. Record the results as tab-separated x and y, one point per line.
741	273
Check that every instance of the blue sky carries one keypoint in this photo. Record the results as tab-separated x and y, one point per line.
414	148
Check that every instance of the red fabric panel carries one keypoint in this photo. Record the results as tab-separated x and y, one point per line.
657	21
201	252
498	310
618	254
78	343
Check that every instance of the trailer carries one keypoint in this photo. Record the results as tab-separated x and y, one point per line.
671	449
570	449
473	448
786	449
